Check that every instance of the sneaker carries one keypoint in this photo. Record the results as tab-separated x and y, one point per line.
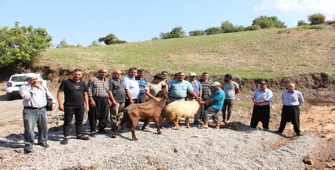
28	148
65	141
83	137
44	144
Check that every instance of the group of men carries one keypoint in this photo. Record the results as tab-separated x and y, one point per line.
102	97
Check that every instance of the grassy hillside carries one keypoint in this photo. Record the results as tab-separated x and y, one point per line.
253	54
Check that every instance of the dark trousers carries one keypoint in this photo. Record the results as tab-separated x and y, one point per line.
127	103
141	98
31	117
260	113
290	114
99	112
78	112
227	106
203	107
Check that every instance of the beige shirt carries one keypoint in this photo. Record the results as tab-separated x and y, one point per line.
154	88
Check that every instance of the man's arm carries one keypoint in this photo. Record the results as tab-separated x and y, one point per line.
89	93
207	101
111	98
87	108
59	99
129	96
237	90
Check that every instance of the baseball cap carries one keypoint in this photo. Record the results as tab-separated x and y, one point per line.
216	84
193	74
30	75
263	82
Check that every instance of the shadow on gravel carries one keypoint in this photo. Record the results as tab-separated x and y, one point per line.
238	126
13	141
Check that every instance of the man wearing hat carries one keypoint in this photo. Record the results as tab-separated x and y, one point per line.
230	88
153	87
197	88
261	111
215	104
34	97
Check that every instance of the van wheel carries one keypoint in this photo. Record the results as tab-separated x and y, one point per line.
9	97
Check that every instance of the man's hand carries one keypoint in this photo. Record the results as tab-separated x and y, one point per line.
53	108
61	107
92	103
202	102
86	109
131	101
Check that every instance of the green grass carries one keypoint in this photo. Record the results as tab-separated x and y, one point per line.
251	54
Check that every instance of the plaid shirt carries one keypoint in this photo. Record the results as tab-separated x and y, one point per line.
35	97
97	87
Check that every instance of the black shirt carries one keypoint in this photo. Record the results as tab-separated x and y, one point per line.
74	92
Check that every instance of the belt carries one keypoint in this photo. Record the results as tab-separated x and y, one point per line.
29	107
176	97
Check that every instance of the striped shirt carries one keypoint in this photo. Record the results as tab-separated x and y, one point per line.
97	87
206	88
35	97
292	99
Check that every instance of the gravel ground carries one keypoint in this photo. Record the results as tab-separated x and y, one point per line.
235	147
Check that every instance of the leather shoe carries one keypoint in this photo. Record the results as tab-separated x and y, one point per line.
65	141
299	134
83	137
103	132
279	132
28	148
44	144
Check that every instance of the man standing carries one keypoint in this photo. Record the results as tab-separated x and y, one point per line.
119	96
206	91
261	111
34	97
131	87
292	99
179	87
165	74
215	103
230	88
197	88
76	103
142	82
98	94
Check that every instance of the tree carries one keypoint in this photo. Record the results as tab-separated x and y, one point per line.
95	43
176	32
213	30
316	19
62	44
227	27
20	46
111	39
268	22
197	33
302	23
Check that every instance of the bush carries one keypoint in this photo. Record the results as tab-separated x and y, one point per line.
316	19
317	27
252	28
268	22
111	39
21	46
227	27
333	25
302	23
176	32
213	30
196	33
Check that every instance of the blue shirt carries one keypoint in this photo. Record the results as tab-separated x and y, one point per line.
196	87
260	95
219	96
292	99
179	89
142	83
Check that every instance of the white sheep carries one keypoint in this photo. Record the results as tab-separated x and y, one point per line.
180	109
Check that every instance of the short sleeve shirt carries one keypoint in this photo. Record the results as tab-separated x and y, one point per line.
206	88
229	89
196	87
73	92
142	83
154	88
219	97
117	89
131	85
179	90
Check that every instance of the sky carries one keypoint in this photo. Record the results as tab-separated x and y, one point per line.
83	21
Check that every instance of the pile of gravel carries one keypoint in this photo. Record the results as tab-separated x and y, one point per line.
235	147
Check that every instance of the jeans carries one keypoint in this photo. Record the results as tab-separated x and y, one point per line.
31	117
69	111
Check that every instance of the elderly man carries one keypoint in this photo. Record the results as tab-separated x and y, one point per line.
118	98
131	87
230	88
142	82
261	111
76	103
197	88
34	97
98	94
215	103
206	91
179	87
292	99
